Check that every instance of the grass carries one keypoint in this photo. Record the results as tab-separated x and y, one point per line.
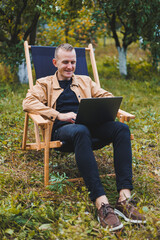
64	211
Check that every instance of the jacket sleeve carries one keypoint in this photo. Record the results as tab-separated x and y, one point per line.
36	102
97	91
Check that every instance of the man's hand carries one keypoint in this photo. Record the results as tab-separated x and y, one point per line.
68	117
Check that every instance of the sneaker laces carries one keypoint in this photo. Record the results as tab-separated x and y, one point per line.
106	209
131	203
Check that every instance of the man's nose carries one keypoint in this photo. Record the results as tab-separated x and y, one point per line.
69	65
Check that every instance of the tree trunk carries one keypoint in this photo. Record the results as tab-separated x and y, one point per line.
66	32
22	73
122	61
32	36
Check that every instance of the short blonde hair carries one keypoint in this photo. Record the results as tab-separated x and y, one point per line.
64	46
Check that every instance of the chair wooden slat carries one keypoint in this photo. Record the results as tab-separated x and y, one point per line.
94	66
28	63
52	144
39	120
25	131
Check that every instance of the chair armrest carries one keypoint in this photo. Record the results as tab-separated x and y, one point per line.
127	116
38	119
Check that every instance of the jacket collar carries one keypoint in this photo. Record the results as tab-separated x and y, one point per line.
74	80
56	83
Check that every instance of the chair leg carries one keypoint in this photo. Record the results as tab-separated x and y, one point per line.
37	136
46	156
43	132
122	118
25	131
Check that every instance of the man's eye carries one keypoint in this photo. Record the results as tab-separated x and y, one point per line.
66	62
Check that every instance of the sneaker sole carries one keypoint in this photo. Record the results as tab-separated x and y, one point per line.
127	219
112	229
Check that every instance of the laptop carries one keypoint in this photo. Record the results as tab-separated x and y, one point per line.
96	111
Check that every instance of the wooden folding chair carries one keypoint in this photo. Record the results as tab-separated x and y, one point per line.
44	62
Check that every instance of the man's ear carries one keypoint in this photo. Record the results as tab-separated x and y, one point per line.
54	62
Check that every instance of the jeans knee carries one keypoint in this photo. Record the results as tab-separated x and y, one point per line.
82	130
123	126
82	133
123	129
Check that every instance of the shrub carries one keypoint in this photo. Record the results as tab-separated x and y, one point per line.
6	75
142	71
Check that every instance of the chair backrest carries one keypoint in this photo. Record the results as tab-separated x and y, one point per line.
42	59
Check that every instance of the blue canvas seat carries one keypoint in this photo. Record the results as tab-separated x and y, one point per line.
42	60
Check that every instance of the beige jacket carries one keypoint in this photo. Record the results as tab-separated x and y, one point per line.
42	99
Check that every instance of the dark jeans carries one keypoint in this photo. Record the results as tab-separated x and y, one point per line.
113	132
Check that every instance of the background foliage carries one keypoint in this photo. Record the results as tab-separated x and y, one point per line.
18	20
78	22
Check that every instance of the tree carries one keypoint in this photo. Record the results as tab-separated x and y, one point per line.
18	20
76	25
127	20
151	35
87	29
66	12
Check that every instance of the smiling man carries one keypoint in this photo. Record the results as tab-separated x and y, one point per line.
65	61
66	90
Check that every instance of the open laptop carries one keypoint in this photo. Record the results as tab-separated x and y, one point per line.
95	111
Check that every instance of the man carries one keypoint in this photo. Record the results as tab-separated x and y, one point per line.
66	92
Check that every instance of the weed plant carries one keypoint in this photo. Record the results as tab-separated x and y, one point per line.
64	211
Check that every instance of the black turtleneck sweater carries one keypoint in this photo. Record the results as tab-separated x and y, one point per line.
66	102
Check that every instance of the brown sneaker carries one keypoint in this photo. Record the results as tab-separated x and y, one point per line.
107	217
126	210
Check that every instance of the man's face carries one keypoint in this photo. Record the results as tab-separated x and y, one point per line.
66	64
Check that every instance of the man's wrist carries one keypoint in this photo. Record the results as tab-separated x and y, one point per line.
58	115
